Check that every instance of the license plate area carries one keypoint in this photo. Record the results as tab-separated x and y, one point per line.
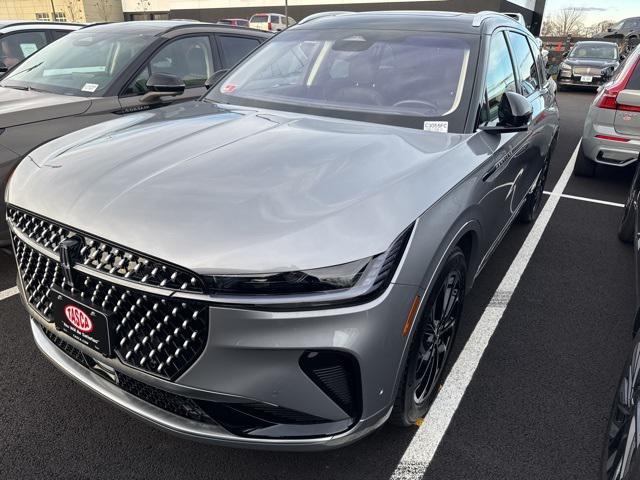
76	318
586	78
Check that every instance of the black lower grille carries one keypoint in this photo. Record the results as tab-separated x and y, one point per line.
239	418
338	375
153	333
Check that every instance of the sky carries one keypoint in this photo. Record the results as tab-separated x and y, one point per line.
596	11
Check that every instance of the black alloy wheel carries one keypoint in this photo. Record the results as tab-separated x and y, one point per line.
620	457
432	342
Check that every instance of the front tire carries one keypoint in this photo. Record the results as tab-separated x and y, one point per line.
432	343
584	167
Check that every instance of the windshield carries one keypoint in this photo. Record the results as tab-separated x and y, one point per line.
81	63
386	72
600	52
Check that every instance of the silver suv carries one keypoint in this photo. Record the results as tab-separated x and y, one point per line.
612	129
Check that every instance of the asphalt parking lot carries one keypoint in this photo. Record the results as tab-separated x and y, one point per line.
536	406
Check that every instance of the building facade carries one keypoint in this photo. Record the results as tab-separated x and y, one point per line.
213	10
84	11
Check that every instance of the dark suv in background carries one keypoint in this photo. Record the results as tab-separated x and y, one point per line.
103	72
19	39
629	27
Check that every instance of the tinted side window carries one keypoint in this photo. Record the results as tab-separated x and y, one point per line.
187	58
537	55
59	33
235	48
525	64
500	77
15	47
634	80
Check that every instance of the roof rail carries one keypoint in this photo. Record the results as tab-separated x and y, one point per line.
482	16
40	22
315	16
93	24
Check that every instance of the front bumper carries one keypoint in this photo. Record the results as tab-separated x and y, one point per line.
253	357
186	428
575	81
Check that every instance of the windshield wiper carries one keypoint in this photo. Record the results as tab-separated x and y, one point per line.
28	69
17	87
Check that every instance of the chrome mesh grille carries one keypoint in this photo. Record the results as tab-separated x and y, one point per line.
154	333
105	257
587	71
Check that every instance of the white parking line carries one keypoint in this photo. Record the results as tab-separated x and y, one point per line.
585	199
10	292
425	442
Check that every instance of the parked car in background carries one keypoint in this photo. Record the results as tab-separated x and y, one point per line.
20	39
588	64
235	22
621	453
629	27
283	263
611	133
270	22
106	71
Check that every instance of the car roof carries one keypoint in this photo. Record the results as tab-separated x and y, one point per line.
161	27
474	23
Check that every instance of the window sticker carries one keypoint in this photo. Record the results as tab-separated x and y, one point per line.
90	87
228	88
441	127
28	49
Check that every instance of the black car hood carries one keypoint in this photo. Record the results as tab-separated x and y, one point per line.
590	62
18	107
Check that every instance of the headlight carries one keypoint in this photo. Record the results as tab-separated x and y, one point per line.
565	67
361	279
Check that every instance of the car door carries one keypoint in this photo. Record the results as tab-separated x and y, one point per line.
502	173
233	48
189	57
532	146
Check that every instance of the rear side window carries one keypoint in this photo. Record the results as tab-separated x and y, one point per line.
57	34
634	80
259	19
537	55
235	48
529	81
15	47
500	78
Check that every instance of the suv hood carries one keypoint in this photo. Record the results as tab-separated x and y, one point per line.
18	107
590	62
242	191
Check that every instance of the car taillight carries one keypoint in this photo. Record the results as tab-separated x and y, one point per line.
608	98
269	26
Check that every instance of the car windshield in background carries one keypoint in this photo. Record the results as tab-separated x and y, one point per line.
82	63
600	52
392	73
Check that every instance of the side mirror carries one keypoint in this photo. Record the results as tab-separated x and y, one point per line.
607	73
565	54
514	114
609	29
163	85
3	68
215	78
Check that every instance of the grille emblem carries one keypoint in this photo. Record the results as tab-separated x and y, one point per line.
69	252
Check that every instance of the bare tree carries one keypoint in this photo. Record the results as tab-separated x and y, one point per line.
104	9
74	10
568	21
